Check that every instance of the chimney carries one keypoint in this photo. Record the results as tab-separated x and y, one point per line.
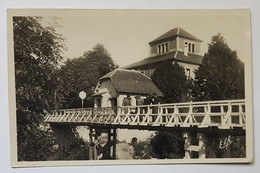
186	49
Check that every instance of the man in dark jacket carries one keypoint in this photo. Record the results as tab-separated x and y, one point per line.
155	101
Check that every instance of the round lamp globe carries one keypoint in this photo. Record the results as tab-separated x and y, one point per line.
82	94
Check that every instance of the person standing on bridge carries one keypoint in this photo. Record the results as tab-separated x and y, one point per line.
155	101
127	102
148	101
139	102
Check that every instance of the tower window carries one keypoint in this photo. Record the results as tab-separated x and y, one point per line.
162	48
159	49
190	46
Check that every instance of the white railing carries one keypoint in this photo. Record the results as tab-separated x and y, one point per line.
222	114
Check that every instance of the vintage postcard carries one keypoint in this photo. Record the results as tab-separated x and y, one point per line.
100	87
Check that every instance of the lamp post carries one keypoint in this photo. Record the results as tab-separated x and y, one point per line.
82	95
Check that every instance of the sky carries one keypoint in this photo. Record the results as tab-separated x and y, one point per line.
126	33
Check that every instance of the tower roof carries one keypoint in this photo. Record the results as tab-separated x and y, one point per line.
176	32
176	55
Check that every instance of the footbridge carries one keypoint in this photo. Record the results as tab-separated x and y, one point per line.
211	117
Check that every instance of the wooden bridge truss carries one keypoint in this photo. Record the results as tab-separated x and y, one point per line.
219	115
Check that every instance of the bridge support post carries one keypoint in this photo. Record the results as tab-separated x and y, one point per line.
92	147
114	143
111	143
202	141
196	148
187	144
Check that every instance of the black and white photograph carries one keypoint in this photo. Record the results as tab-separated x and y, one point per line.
101	87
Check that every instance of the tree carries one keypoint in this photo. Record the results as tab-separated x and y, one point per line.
70	146
82	74
168	144
221	77
221	74
171	80
37	52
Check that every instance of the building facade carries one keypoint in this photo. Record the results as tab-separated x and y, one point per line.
116	85
175	46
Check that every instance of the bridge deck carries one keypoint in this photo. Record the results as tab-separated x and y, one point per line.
228	114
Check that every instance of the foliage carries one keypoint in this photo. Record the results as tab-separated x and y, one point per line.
33	143
235	149
37	51
221	77
171	80
38	76
143	150
82	74
168	144
69	144
238	148
221	74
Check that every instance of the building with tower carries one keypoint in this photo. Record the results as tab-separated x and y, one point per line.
174	46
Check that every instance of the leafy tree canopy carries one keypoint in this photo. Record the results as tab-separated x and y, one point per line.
171	80
221	74
37	51
221	77
168	145
82	74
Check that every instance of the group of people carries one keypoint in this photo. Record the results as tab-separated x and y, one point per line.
150	100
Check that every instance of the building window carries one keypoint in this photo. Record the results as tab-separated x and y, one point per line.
191	47
188	73
159	49
166	47
162	48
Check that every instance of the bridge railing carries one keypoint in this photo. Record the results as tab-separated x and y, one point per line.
223	114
